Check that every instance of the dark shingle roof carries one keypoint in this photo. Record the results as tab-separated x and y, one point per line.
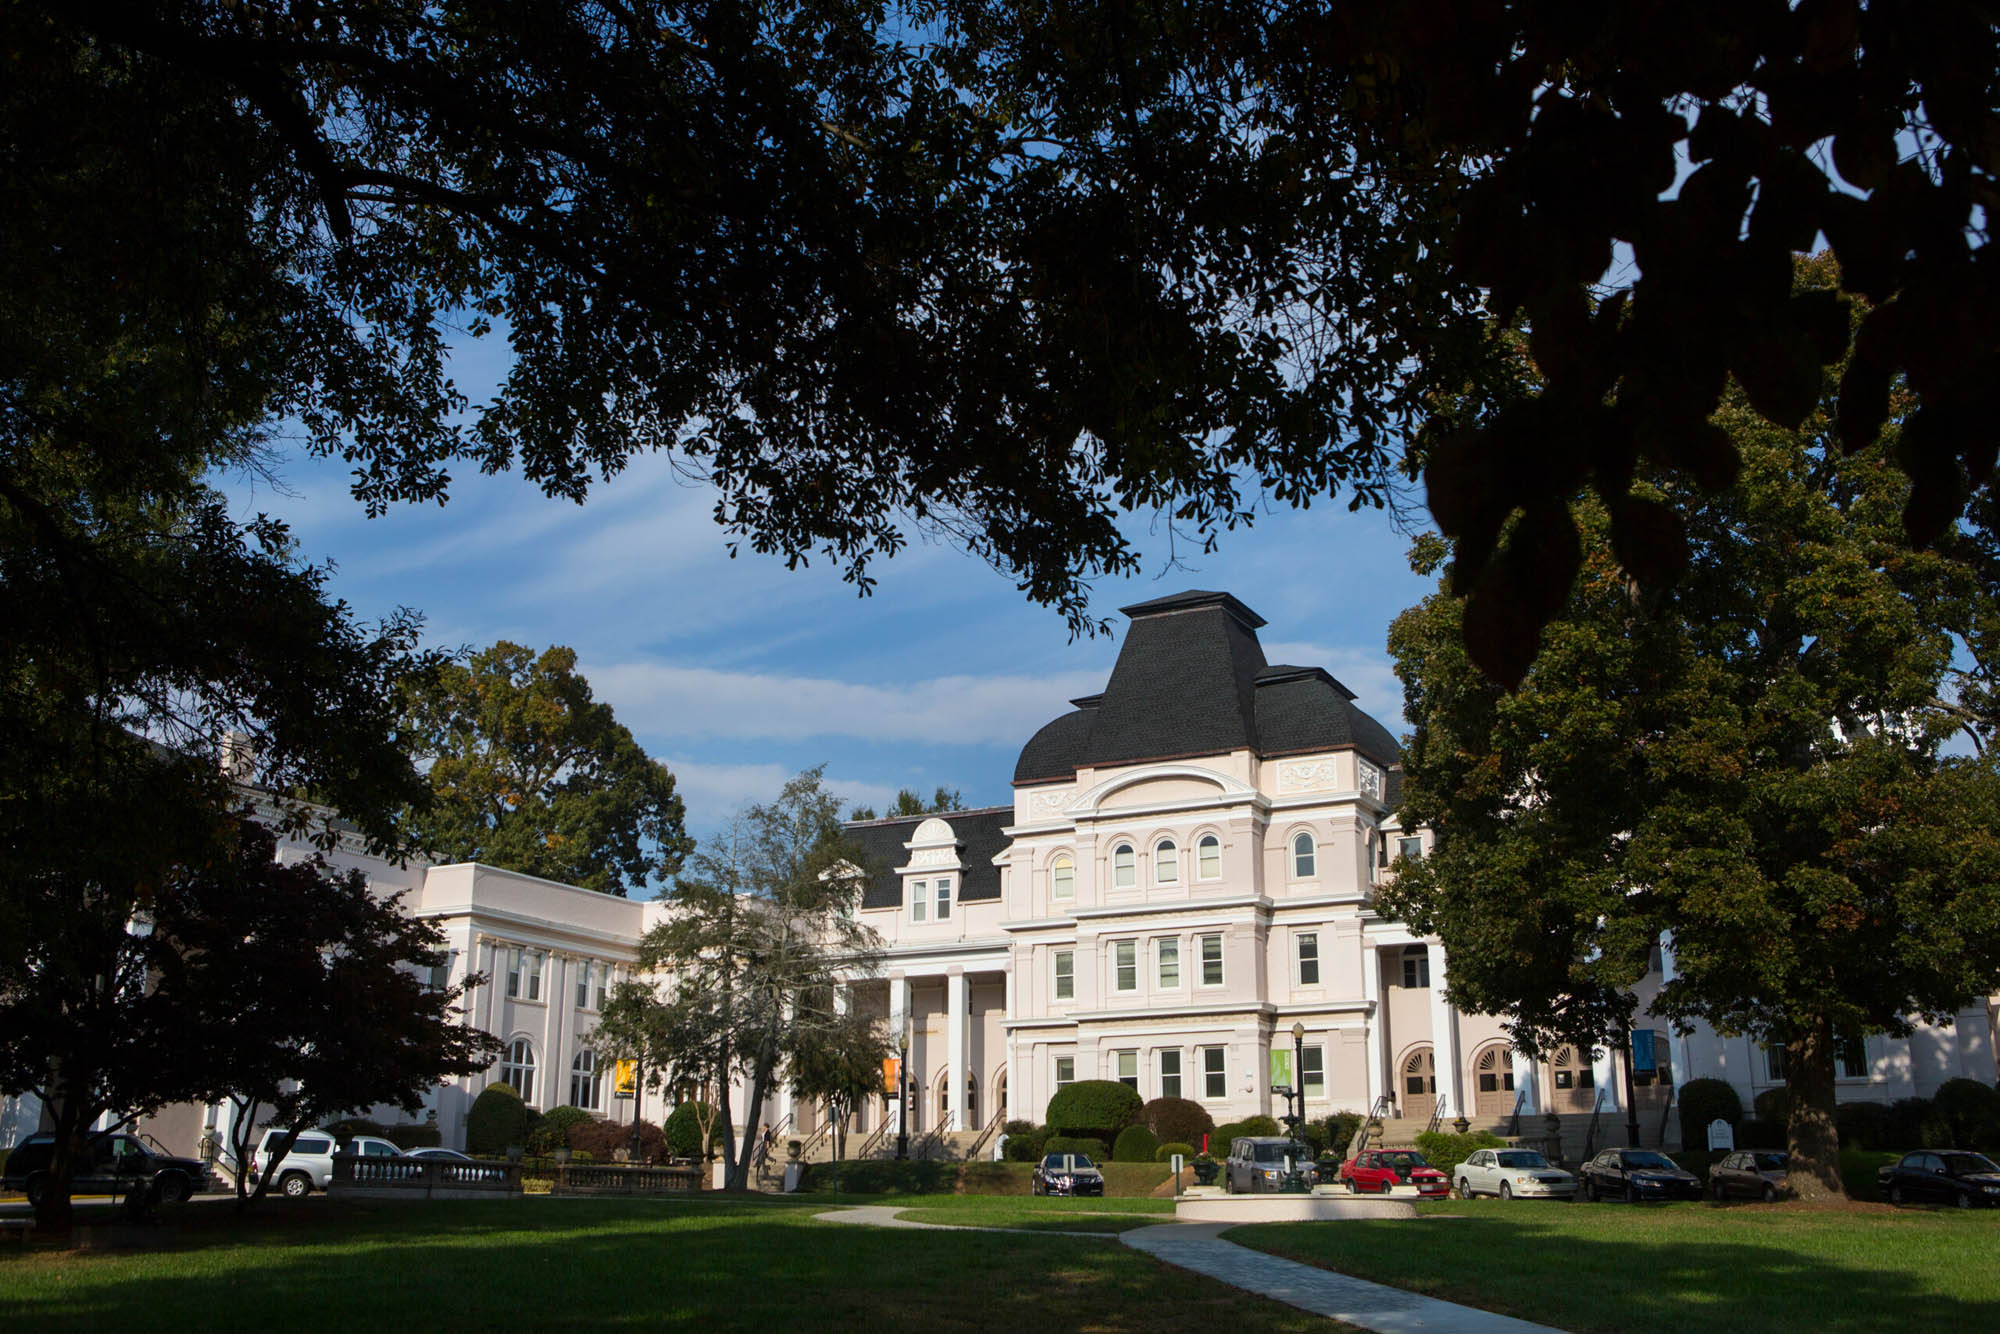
979	842
1191	680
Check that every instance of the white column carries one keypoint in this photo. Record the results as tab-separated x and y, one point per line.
1378	1018
555	1028
1013	1047
1444	1039
1527	1096
1683	1066
1604	1074
956	1045
899	1023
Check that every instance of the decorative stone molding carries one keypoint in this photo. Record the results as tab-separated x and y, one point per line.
1308	775
931	833
934	857
1371	781
1048	805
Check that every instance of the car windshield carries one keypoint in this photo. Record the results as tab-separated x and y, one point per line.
1403	1160
1269	1153
1651	1161
1968	1164
1066	1162
1523	1158
1773	1162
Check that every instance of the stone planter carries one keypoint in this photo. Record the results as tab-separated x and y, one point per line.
1205	1173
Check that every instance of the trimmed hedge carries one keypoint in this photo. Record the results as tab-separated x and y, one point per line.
1763	1135
1252	1126
498	1118
1166	1152
552	1131
1864	1125
1970	1111
414	1135
1135	1144
1331	1136
1024	1141
683	1131
887	1176
1077	1144
1180	1119
1773	1106
1702	1101
603	1139
1100	1107
1445	1151
1914	1123
348	1127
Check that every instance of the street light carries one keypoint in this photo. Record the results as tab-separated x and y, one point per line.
1299	1090
903	1093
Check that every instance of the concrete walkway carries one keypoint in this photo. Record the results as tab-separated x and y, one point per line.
884	1215
1375	1306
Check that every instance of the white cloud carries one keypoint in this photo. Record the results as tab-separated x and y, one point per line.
714	792
1367	672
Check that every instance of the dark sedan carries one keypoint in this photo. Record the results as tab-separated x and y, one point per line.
1750	1174
1637	1174
1066	1174
1942	1177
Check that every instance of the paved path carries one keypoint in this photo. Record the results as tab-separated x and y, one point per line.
1375	1306
884	1215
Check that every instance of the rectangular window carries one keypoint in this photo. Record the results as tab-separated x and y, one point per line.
584	972
1850	1056
1411	846
1124	867
1214	1072
1308	948
1774	1063
524	975
1312	1071
1166	864
514	974
1125	964
944	899
1211	961
1169	950
441	971
1170	1074
603	986
1128	1069
534	970
920	901
1065	975
1065	1072
1062	879
1209	859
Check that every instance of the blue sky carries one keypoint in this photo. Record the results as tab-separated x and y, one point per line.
738	673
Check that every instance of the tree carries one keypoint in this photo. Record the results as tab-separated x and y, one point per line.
834	1057
530	773
1753	762
1006	272
759	925
941	802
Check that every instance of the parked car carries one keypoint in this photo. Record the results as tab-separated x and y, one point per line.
1939	1176
309	1165
1638	1174
1511	1172
1751	1174
110	1165
452	1155
1066	1174
1257	1163
1380	1170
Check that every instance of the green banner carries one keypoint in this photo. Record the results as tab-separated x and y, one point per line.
1281	1067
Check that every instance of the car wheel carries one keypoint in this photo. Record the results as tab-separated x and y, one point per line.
38	1186
1963	1199
1349	1183
1228	1183
1506	1191
295	1186
172	1188
1896	1193
1770	1193
1463	1189
1590	1190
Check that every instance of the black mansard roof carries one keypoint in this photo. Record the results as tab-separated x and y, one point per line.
1191	680
979	842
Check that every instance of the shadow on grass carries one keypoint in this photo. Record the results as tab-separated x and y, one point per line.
1644	1268
568	1263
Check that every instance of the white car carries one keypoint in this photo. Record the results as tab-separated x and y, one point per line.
1509	1173
309	1166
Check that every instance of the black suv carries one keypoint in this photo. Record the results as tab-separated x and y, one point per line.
111	1165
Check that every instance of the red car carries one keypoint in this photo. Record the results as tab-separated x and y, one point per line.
1374	1172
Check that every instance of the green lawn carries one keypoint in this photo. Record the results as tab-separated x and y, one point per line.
1675	1267
538	1263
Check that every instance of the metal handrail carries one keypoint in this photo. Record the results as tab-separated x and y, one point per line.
818	1137
771	1137
991	1128
1666	1113
1377	1112
1514	1124
1590	1135
932	1138
874	1141
1439	1103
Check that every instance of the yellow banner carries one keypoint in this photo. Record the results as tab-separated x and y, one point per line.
626	1082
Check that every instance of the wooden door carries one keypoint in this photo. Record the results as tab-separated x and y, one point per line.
1420	1084
1493	1083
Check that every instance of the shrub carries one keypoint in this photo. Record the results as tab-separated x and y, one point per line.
1773	1107
1101	1107
1970	1111
1336	1133
1180	1119
498	1118
1762	1135
1077	1144
603	1139
1703	1101
1135	1144
347	1128
1260	1125
1864	1125
552	1131
1166	1152
1220	1138
683	1131
1445	1151
413	1135
1914	1123
1024	1141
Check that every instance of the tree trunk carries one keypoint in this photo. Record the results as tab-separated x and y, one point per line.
739	1168
54	1213
1814	1139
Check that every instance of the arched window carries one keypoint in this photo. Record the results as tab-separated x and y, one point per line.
1124	867
517	1068
586	1080
1062	878
1208	858
1304	857
1166	862
1416	966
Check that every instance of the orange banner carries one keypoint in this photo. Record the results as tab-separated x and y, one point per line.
892	1074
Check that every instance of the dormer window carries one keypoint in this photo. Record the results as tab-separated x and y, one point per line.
930	900
1062	879
1166	863
1305	857
1124	867
1208	858
942	888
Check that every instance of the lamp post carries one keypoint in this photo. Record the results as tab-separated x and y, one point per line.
903	1093
638	1104
1298	1090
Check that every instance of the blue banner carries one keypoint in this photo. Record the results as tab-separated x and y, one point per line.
1642	1051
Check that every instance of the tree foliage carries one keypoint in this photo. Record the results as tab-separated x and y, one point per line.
941	802
1100	1107
1753	762
530	773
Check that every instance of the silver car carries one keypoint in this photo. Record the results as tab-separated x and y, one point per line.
1257	1163
1512	1172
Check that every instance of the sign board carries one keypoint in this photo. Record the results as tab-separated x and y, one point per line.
1281	1067
625	1083
1721	1135
1643	1059
892	1073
